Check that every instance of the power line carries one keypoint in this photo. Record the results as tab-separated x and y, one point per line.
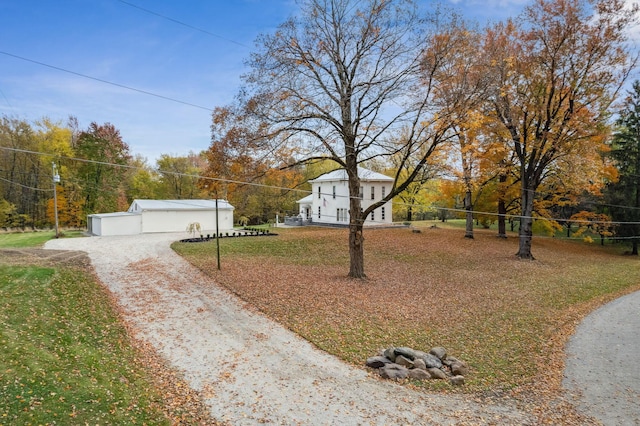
184	24
222	180
145	92
24	186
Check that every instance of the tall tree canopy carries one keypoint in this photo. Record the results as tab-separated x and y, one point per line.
555	78
342	81
624	195
102	181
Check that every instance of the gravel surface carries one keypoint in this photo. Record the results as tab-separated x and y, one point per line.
248	368
602	368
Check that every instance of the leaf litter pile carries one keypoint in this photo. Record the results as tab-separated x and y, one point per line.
509	319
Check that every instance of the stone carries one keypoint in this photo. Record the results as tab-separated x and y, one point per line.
404	361
457	380
419	374
394	372
436	373
459	368
432	361
390	354
439	352
419	363
406	352
419	354
449	360
377	361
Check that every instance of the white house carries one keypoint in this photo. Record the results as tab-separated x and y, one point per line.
328	202
149	216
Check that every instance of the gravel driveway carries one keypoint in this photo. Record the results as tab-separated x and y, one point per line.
248	368
603	363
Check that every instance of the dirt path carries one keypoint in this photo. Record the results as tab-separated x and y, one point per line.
248	368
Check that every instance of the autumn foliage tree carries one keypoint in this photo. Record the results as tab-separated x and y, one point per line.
341	82
554	79
102	179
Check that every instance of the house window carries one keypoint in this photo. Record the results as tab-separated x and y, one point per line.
334	192
319	193
341	215
372	216
382	213
384	190
373	192
319	215
361	195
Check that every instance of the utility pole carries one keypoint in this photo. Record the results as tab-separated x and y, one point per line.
217	233
56	180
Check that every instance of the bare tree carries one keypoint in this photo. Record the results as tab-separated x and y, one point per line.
341	82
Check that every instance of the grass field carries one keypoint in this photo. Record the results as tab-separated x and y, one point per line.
508	318
31	239
66	357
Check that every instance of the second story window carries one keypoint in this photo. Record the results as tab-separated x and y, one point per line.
334	192
319	193
373	192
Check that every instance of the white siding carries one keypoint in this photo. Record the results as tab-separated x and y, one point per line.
178	221
115	224
323	199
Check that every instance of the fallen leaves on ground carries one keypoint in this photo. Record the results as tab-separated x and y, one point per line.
509	319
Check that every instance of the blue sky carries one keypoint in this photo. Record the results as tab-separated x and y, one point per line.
113	41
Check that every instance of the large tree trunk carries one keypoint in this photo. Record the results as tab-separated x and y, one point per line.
469	215
502	224
356	221
356	239
502	211
526	224
356	250
409	214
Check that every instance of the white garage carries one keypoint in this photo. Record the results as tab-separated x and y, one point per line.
150	216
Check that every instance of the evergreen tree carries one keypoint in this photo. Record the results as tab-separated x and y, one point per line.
624	195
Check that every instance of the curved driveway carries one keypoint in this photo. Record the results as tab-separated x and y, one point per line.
248	368
602	369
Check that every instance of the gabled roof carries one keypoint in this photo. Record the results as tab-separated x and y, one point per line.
306	200
341	175
116	214
179	205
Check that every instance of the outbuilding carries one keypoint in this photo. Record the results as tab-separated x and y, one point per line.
151	216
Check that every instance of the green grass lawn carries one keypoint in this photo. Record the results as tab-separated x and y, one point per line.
64	356
32	239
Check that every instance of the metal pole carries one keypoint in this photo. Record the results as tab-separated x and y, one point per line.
56	179
217	234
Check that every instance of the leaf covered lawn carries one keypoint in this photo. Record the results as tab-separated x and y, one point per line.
509	319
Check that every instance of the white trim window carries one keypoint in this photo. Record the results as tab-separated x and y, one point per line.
319	213
373	192
382	213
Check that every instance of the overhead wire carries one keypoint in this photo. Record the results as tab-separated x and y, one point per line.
184	24
305	191
101	80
